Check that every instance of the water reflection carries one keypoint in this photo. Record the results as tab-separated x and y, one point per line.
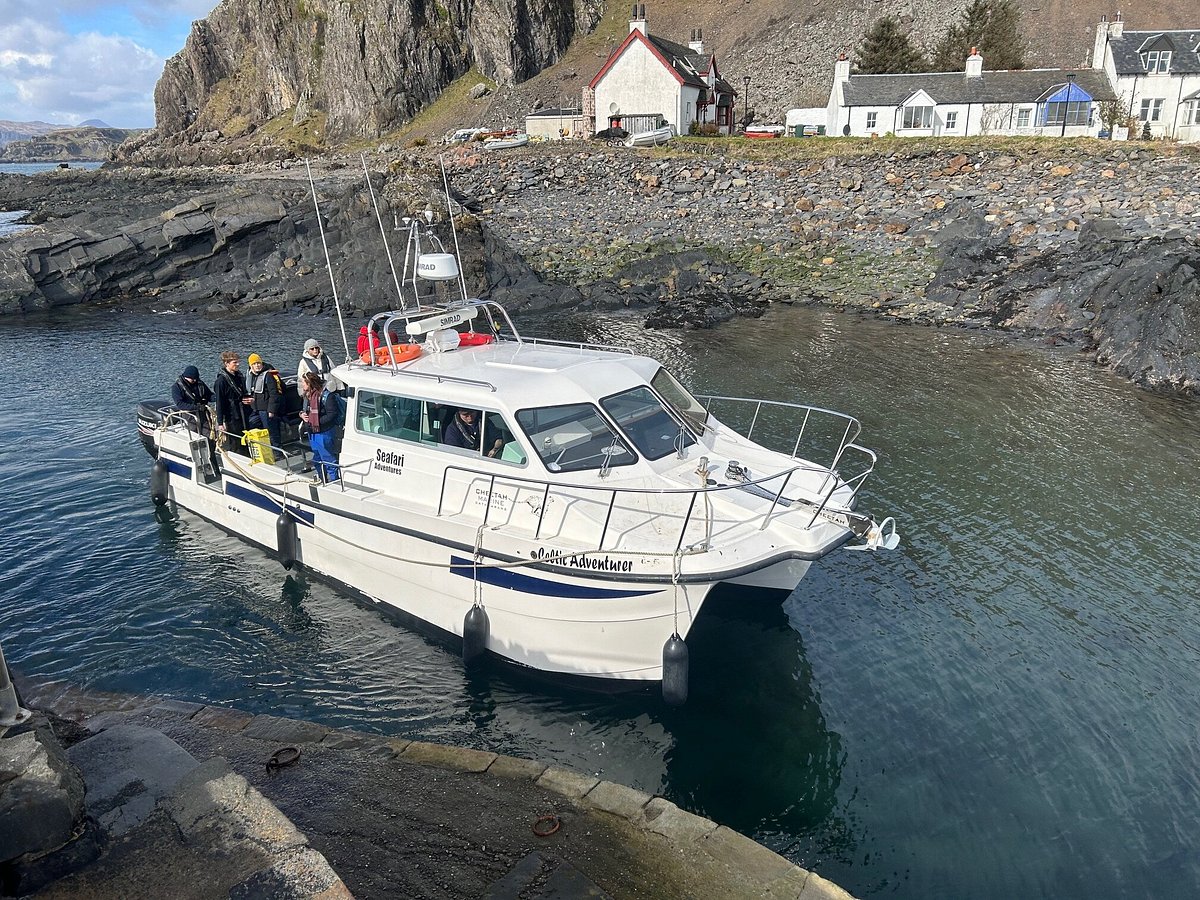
754	752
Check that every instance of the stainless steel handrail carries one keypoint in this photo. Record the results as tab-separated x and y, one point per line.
189	421
849	436
578	345
693	493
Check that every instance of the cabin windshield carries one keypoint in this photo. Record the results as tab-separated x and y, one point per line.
669	388
574	438
646	422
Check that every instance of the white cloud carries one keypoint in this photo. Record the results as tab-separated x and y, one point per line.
51	75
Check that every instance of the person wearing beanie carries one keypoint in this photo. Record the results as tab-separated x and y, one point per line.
266	398
314	360
190	394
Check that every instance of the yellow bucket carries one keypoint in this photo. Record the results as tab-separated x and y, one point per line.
259	442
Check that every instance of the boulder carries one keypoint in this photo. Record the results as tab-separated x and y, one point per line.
41	795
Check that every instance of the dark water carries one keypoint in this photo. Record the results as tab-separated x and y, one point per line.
1005	708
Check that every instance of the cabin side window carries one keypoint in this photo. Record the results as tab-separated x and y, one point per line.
677	396
399	417
573	438
422	421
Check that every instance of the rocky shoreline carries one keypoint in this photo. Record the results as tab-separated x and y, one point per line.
1089	244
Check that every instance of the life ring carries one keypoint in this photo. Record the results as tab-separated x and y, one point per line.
398	353
474	339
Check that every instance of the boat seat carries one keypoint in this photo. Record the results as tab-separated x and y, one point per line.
372	424
513	453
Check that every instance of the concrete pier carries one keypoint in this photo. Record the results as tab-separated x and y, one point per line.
369	816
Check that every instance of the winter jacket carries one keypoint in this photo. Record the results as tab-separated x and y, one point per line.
266	389
368	340
327	407
190	397
322	367
231	412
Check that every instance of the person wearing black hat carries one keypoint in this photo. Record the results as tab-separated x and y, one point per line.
190	394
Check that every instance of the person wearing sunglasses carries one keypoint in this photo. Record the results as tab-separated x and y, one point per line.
314	360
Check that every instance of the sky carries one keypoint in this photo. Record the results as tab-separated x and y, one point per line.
67	61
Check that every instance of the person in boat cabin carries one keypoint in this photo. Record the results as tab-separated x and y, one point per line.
322	414
314	360
232	402
463	431
266	395
190	394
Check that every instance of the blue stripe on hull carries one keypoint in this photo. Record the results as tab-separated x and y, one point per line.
528	584
177	468
254	498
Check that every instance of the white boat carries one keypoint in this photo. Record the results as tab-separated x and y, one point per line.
651	138
580	536
506	143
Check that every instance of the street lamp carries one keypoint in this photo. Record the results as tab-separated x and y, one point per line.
746	95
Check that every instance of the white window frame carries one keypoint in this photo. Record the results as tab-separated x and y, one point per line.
872	120
1024	117
952	120
1191	115
909	121
1157	62
1151	110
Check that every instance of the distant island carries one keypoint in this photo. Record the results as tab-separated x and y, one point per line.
20	131
79	144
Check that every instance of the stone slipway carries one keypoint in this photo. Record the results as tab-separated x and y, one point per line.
400	818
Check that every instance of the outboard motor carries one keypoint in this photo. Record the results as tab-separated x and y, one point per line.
150	415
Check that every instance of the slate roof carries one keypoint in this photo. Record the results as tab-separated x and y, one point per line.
1027	86
1126	51
683	60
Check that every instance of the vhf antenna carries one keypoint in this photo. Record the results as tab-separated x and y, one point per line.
328	264
383	233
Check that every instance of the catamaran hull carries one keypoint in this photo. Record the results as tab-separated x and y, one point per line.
782	576
581	628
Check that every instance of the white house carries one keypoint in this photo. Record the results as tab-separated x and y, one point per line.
1156	74
649	80
1059	102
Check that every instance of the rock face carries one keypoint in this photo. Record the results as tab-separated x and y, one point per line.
1093	246
361	67
225	245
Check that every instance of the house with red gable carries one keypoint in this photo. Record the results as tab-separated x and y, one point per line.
649	81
